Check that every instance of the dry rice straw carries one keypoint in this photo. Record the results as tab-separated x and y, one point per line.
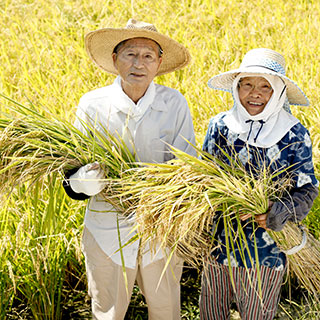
304	264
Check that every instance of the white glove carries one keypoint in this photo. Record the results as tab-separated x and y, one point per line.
88	179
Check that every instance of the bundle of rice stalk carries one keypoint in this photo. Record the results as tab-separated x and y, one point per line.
178	200
33	146
174	202
165	212
303	253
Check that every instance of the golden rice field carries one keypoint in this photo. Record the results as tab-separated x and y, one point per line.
43	64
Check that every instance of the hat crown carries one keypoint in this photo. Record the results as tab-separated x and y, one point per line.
265	58
135	24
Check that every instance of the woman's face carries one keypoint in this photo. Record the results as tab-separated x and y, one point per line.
254	94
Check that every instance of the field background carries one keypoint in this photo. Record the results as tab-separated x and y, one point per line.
43	64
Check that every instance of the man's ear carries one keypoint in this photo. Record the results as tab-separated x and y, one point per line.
114	58
160	61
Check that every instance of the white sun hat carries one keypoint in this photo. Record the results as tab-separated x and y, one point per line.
101	43
261	61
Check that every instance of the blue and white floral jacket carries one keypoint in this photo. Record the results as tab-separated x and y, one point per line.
293	151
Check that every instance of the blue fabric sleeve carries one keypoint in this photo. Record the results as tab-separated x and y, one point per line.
297	204
292	208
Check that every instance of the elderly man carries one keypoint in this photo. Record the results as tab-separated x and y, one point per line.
148	117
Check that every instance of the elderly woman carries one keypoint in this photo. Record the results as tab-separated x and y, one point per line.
260	132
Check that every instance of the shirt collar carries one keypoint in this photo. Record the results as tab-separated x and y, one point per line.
124	104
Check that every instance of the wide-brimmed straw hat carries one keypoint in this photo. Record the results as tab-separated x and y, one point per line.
101	43
263	61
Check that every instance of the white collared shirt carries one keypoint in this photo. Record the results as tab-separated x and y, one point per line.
159	118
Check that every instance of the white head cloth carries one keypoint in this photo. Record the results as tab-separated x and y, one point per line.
269	126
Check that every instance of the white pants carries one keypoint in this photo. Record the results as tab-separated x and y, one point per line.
110	295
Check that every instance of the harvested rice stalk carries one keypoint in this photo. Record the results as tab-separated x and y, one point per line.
178	201
304	264
32	146
170	210
174	203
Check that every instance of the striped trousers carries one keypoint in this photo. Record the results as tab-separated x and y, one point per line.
253	302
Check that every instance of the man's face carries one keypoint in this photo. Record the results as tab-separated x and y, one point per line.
137	62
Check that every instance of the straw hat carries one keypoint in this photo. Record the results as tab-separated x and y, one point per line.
264	61
100	45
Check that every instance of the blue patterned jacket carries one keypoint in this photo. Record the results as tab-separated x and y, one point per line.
293	151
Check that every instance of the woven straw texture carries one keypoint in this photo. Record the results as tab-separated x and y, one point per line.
100	45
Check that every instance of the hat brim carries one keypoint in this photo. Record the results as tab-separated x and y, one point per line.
224	82
101	43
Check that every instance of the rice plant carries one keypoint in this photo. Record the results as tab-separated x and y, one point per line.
174	203
33	146
178	200
40	251
302	264
43	60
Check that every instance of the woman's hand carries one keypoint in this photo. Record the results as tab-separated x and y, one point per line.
261	219
245	216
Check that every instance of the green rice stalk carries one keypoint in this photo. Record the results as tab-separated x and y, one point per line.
32	147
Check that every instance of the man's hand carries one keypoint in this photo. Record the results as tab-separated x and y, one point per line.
88	179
